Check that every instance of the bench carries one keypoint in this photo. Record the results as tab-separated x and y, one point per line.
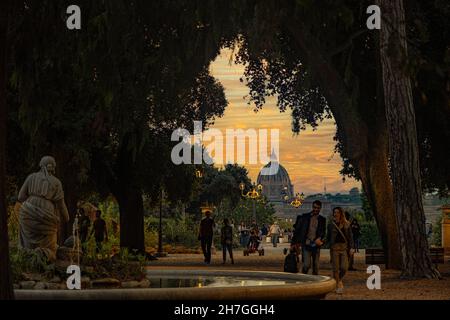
376	256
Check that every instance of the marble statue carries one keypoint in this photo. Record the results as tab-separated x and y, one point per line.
43	206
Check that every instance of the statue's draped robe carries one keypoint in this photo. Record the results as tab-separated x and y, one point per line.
42	200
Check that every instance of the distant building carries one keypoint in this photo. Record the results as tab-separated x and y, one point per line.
279	191
354	192
278	185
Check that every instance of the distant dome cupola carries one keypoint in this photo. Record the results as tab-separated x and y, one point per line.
276	184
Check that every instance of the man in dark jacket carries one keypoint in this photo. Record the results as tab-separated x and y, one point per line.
205	235
309	232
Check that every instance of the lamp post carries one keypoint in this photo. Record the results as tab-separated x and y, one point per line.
298	200
254	194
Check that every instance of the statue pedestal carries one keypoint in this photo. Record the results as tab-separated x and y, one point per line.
446	228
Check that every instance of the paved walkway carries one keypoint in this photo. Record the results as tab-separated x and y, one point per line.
355	281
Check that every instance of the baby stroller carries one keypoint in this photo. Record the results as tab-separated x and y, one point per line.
253	245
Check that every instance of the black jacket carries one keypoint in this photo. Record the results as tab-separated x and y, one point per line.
206	228
301	227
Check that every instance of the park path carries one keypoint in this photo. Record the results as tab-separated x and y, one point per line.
355	282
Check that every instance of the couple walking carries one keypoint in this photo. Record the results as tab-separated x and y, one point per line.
206	234
310	233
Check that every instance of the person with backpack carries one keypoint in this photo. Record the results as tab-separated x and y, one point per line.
340	239
226	237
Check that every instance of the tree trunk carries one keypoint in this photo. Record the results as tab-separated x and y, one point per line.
377	186
129	196
71	186
403	145
6	287
365	148
131	207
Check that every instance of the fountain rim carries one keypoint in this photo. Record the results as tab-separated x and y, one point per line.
275	275
318	287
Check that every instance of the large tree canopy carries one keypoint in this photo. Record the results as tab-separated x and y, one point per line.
104	99
319	59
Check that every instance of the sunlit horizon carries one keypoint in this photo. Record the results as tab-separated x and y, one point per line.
308	157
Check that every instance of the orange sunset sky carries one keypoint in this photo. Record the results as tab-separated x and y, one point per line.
308	157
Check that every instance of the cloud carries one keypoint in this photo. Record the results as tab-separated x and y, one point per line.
308	157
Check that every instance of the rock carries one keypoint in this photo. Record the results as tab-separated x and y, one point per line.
27	284
130	284
16	286
31	277
40	286
55	279
145	283
54	286
106	282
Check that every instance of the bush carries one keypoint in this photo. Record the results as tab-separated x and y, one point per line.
178	231
370	237
123	266
436	239
29	261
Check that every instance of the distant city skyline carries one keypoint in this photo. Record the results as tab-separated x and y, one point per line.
308	157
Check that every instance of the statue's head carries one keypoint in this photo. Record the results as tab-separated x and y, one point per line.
48	164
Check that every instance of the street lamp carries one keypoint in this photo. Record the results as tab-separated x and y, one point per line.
298	200
284	193
198	173
253	194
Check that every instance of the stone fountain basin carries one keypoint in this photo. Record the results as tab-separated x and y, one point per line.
203	285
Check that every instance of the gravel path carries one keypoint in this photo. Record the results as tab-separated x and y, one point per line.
392	287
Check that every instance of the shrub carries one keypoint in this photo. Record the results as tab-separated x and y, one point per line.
177	231
122	266
370	237
29	261
436	239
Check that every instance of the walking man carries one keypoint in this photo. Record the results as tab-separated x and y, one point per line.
84	224
99	230
226	238
309	232
275	233
205	235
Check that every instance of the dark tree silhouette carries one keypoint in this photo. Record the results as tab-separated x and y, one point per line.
403	145
6	287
